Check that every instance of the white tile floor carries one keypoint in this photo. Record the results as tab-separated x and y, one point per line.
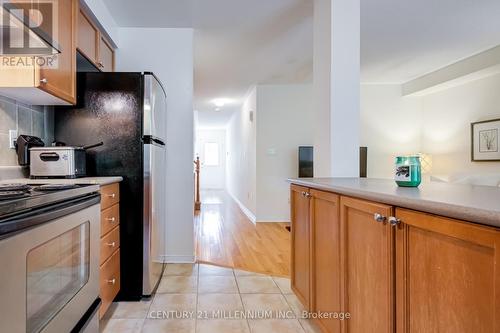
210	299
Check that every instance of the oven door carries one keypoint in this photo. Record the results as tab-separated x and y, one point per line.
50	272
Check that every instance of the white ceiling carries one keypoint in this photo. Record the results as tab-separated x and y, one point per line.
239	43
402	39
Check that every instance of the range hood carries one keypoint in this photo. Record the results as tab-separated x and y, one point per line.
22	32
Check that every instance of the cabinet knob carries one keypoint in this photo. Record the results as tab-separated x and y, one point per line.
110	219
112	281
394	221
112	244
308	195
379	217
112	195
44	81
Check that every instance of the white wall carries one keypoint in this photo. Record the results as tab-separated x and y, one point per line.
322	87
241	156
336	87
212	176
285	122
169	54
437	124
390	126
446	122
262	154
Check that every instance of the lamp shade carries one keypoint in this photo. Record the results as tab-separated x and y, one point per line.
425	162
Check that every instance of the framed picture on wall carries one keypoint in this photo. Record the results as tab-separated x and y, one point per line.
485	140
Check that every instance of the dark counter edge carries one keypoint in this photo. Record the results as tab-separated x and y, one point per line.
469	214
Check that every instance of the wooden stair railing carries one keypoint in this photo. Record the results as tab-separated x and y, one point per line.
197	201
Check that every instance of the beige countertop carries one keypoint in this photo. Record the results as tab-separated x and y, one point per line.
478	204
84	181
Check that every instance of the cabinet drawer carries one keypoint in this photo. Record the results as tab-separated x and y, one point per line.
109	281
110	195
110	243
110	218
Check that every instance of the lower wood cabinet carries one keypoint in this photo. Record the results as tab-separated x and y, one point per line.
110	281
325	257
392	269
110	246
447	275
300	272
366	267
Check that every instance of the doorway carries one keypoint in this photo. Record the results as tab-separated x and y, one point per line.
211	148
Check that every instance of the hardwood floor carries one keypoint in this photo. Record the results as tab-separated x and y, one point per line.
226	237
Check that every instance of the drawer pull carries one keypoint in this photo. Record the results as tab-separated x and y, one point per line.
110	219
112	244
112	195
112	281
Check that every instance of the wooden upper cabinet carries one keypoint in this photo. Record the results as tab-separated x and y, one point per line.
367	266
106	56
88	36
61	80
93	44
325	258
448	275
300	252
54	82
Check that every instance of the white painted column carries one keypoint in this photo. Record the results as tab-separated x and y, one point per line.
336	87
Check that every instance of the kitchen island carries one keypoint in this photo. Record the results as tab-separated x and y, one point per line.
397	259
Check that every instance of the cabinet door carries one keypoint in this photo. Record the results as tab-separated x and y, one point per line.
448	277
61	80
325	258
300	263
106	56
367	266
88	37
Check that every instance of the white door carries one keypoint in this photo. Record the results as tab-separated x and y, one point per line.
211	148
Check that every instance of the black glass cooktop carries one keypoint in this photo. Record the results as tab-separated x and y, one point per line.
15	198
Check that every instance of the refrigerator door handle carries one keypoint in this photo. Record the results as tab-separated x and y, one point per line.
149	139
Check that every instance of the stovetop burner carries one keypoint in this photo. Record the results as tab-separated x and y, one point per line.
14	187
33	196
8	195
55	187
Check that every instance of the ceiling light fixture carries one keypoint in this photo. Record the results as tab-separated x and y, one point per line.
220	102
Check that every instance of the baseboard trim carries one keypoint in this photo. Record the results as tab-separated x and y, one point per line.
173	259
244	209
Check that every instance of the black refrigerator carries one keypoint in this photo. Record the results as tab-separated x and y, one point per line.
126	111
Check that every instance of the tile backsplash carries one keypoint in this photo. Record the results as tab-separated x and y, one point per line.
26	119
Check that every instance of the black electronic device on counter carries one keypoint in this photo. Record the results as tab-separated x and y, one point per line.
23	145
